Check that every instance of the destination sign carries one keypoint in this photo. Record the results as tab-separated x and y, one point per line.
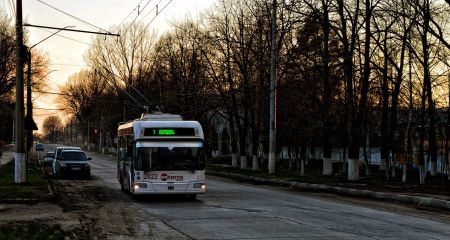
168	132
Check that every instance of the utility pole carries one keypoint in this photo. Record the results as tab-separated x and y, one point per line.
273	93
88	133
19	167
447	138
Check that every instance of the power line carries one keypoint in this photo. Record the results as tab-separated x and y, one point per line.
45	114
68	14
59	35
146	26
68	64
126	30
51	109
137	7
54	93
12	6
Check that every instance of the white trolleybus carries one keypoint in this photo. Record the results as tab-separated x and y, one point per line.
161	154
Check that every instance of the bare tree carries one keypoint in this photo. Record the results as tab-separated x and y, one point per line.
52	127
125	61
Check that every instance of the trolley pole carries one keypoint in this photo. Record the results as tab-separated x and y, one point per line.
273	93
19	167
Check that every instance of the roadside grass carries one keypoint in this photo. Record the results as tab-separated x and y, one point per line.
31	231
281	174
376	181
36	188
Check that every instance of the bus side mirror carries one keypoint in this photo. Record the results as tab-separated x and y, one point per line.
89	158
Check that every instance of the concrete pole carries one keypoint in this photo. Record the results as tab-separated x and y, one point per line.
447	160
100	140
273	95
88	134
29	138
29	142
19	170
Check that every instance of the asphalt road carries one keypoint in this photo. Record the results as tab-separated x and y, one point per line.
232	210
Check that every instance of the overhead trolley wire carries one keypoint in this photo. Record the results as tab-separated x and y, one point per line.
12	6
70	15
151	21
134	20
59	35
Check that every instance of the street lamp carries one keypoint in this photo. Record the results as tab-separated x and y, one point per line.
30	125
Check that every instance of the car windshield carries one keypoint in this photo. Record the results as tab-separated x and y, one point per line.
50	155
59	151
73	156
163	158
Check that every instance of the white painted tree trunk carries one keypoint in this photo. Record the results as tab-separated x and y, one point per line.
234	160
255	162
243	162
404	166
448	172
302	167
433	171
393	174
327	167
19	168
422	173
353	170
383	164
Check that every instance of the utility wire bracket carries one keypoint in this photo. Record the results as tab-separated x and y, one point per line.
71	30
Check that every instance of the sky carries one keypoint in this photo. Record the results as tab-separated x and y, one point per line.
66	55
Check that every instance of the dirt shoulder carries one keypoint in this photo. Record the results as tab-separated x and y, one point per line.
83	209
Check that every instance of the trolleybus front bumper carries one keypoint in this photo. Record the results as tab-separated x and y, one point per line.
196	187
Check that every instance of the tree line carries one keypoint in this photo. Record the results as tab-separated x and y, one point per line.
39	71
350	74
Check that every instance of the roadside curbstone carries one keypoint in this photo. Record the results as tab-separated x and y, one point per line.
421	201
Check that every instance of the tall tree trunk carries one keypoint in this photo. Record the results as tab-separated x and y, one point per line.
429	91
326	136
420	158
385	110
234	158
358	133
348	52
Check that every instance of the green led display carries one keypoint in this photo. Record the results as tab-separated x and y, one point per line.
169	132
166	132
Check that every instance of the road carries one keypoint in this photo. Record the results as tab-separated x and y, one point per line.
233	210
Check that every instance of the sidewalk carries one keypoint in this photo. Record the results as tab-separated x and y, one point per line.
418	199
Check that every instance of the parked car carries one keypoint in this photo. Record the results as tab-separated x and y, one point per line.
75	162
58	152
39	147
48	158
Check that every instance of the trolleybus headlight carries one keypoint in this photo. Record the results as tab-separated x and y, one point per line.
139	185
199	185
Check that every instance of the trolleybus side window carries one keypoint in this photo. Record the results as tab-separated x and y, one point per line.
125	148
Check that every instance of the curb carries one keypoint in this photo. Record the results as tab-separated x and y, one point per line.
420	201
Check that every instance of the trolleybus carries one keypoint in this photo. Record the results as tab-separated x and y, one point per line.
161	154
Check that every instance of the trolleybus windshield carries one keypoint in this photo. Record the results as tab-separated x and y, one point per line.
169	158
